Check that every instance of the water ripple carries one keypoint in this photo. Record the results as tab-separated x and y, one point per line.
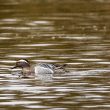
63	32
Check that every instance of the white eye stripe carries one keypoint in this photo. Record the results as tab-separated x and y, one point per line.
22	61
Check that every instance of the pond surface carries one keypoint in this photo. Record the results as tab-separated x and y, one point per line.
74	32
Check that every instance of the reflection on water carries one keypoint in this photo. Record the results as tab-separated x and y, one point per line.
75	32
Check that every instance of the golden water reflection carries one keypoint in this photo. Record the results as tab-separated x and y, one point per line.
75	32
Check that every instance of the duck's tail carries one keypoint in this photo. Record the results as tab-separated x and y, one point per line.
60	66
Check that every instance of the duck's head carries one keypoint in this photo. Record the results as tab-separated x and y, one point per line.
23	63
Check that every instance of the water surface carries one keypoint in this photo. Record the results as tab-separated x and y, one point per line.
75	32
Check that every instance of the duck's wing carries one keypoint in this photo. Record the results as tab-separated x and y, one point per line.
50	68
47	65
44	68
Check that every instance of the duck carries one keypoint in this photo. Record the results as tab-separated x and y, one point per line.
40	68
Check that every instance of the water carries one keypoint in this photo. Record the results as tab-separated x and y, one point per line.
75	32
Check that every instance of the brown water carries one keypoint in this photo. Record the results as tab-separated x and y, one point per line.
75	32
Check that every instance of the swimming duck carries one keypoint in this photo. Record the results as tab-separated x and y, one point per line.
40	68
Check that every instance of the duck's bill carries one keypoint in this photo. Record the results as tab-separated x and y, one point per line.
14	67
